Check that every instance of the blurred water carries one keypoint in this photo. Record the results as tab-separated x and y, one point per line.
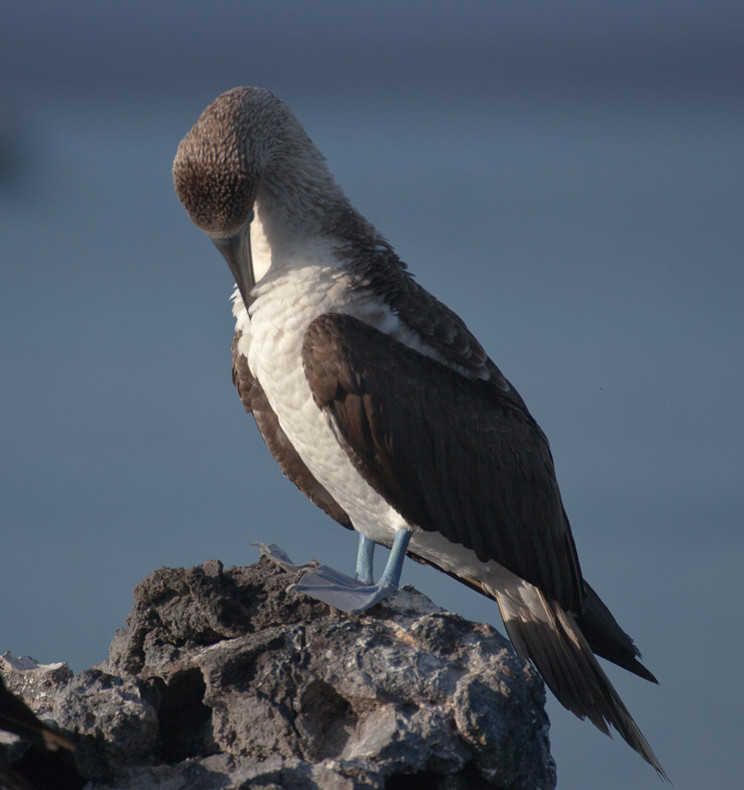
593	245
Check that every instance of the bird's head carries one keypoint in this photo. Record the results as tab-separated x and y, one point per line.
227	160
248	152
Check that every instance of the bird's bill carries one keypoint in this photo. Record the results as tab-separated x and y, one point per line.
236	250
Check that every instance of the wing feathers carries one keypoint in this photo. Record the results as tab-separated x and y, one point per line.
17	717
463	457
606	638
459	456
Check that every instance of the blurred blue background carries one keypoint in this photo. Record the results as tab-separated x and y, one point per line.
569	177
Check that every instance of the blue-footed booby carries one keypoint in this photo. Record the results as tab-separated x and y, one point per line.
380	405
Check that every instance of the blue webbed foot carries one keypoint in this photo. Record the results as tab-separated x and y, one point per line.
341	591
356	595
280	557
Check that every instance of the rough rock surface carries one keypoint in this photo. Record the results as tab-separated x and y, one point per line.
222	679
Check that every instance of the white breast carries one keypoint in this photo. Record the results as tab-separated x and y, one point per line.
287	301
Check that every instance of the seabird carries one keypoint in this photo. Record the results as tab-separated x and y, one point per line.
382	407
18	718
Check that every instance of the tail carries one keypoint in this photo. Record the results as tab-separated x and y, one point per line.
552	638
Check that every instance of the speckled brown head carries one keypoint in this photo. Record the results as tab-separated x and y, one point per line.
247	145
218	164
247	150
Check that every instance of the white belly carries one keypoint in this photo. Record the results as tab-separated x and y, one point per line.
286	303
271	341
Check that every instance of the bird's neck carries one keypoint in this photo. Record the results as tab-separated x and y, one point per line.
298	200
278	247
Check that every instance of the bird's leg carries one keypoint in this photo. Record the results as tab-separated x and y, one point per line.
356	595
391	575
365	555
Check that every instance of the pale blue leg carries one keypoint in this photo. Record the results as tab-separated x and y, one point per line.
356	595
394	566
365	555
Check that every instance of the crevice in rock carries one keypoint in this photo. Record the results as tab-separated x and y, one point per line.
467	779
325	720
184	720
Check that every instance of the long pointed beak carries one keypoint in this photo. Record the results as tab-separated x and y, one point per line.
236	250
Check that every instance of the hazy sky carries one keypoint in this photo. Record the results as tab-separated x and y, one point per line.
324	46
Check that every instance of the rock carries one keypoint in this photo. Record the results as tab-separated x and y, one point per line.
38	751
223	679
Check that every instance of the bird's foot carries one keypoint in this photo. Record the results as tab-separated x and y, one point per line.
341	591
280	557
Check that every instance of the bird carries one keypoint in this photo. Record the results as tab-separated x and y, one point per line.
380	405
18	718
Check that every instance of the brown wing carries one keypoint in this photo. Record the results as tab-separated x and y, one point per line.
385	275
254	399
17	717
452	454
463	456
